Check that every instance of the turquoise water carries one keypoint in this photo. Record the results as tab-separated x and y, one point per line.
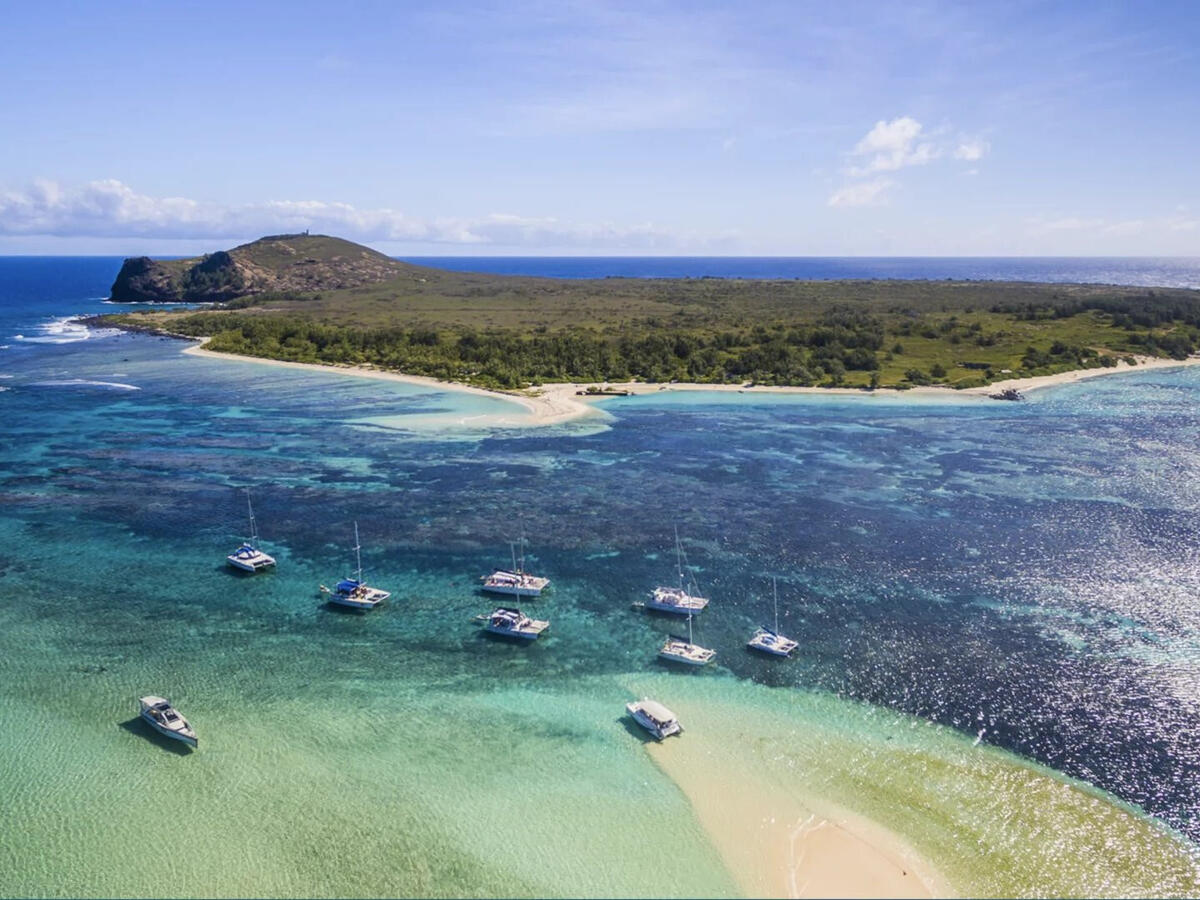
1014	581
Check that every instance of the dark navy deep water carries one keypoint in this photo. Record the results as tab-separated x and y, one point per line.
1027	574
1143	271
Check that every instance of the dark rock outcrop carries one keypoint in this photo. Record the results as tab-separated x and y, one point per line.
142	280
282	263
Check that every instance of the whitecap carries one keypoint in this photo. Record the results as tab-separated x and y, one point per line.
66	330
84	382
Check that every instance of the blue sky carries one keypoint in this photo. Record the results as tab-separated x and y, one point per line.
1009	128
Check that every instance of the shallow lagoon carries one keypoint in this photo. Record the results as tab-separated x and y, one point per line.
1023	575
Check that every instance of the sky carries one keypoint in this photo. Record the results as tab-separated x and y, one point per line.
601	128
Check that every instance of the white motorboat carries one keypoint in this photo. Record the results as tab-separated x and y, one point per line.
769	640
655	718
513	623
518	582
248	557
675	599
354	592
165	719
678	649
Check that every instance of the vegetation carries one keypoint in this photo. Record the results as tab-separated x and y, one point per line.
510	332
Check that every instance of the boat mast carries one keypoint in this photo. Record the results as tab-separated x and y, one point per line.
512	549
358	552
253	527
678	557
689	627
775	593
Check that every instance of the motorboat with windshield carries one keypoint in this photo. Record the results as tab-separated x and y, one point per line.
160	715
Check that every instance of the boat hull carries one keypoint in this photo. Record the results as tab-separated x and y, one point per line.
249	566
511	590
518	635
190	739
683	660
769	642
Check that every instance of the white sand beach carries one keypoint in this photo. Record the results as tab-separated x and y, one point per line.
552	404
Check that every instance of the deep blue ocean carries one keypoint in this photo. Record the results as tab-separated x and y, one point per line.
1144	271
1026	575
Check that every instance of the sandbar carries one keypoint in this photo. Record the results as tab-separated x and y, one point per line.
775	845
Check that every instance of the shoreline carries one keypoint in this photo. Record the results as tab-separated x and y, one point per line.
559	402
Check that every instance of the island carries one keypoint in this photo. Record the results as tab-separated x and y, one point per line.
322	300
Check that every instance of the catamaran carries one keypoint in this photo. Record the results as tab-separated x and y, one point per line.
675	599
655	718
354	592
163	718
248	557
511	622
677	649
517	583
769	640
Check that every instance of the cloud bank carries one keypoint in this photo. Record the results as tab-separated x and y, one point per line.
899	144
111	209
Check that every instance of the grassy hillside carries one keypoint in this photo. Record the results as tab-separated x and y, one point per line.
505	331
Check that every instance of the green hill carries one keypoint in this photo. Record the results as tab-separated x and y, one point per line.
278	264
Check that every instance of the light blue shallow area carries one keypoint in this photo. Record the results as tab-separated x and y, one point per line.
1023	574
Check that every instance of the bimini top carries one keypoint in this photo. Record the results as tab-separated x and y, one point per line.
657	711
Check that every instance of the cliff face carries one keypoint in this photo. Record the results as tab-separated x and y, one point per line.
142	280
280	263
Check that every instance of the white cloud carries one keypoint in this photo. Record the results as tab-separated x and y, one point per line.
971	149
1131	226
862	193
109	208
894	145
1067	223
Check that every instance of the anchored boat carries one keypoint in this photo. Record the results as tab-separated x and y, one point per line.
655	718
513	623
248	557
677	649
517	583
165	719
354	592
769	640
675	599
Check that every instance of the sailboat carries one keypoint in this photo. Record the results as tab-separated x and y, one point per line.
517	583
676	649
675	599
769	640
354	592
248	557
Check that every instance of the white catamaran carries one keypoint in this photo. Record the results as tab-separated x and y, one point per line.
676	649
513	623
354	592
248	557
675	599
769	640
517	583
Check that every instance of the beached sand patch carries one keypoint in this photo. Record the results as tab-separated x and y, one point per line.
776	847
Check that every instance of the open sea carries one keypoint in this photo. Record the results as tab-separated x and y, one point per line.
998	609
